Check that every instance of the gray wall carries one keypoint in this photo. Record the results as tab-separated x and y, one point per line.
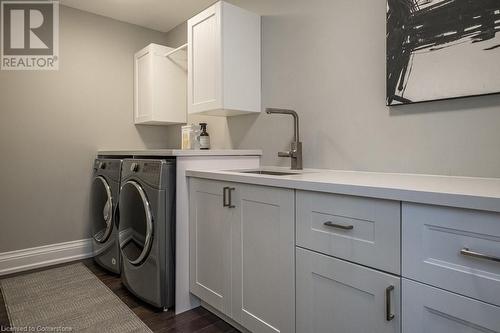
219	130
52	124
326	59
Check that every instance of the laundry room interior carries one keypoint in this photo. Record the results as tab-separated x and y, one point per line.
265	166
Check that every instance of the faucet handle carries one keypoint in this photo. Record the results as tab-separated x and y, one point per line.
292	153
285	154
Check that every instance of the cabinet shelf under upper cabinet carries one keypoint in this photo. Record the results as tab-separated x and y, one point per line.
224	61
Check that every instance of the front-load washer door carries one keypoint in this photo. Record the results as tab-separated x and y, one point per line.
101	209
136	223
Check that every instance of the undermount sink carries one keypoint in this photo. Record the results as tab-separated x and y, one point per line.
270	173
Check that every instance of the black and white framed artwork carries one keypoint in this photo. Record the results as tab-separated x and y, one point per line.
442	49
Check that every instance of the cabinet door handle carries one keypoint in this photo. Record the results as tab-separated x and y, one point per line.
230	191
388	306
224	197
469	253
227	200
338	226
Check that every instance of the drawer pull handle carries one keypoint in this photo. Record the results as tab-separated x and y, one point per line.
469	253
388	307
230	190
338	226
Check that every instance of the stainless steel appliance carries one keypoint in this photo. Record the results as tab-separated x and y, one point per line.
105	190
147	229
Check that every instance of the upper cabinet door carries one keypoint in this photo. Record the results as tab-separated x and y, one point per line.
205	60
263	298
224	61
143	86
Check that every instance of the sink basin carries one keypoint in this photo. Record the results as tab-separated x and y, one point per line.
270	173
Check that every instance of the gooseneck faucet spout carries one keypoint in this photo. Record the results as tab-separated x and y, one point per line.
295	116
295	152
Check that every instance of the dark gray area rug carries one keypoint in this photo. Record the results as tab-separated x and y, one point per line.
66	299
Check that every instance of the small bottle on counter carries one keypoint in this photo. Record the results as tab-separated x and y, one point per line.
204	137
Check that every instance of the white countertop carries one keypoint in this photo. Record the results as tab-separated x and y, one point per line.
463	192
180	152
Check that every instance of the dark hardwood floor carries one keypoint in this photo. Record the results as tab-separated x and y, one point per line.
197	320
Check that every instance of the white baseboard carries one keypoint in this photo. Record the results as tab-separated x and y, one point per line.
36	257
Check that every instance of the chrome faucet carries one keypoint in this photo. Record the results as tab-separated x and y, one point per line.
295	152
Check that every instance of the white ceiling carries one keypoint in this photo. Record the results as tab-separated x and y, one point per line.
161	15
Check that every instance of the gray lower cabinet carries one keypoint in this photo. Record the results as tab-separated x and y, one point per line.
333	295
244	262
263	258
362	230
428	309
209	245
453	249
451	270
242	252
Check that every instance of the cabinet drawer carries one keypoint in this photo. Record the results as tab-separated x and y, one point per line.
362	230
431	310
435	244
333	295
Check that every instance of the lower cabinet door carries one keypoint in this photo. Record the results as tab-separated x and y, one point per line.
340	297
263	298
431	310
209	244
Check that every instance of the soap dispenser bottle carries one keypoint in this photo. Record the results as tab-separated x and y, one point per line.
204	137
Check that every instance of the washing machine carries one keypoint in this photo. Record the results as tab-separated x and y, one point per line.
105	192
147	230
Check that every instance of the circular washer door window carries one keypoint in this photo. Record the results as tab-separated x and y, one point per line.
101	210
136	223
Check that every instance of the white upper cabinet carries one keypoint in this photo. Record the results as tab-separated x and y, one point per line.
224	61
160	86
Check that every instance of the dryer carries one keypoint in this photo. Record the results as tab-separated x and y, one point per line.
147	230
105	190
